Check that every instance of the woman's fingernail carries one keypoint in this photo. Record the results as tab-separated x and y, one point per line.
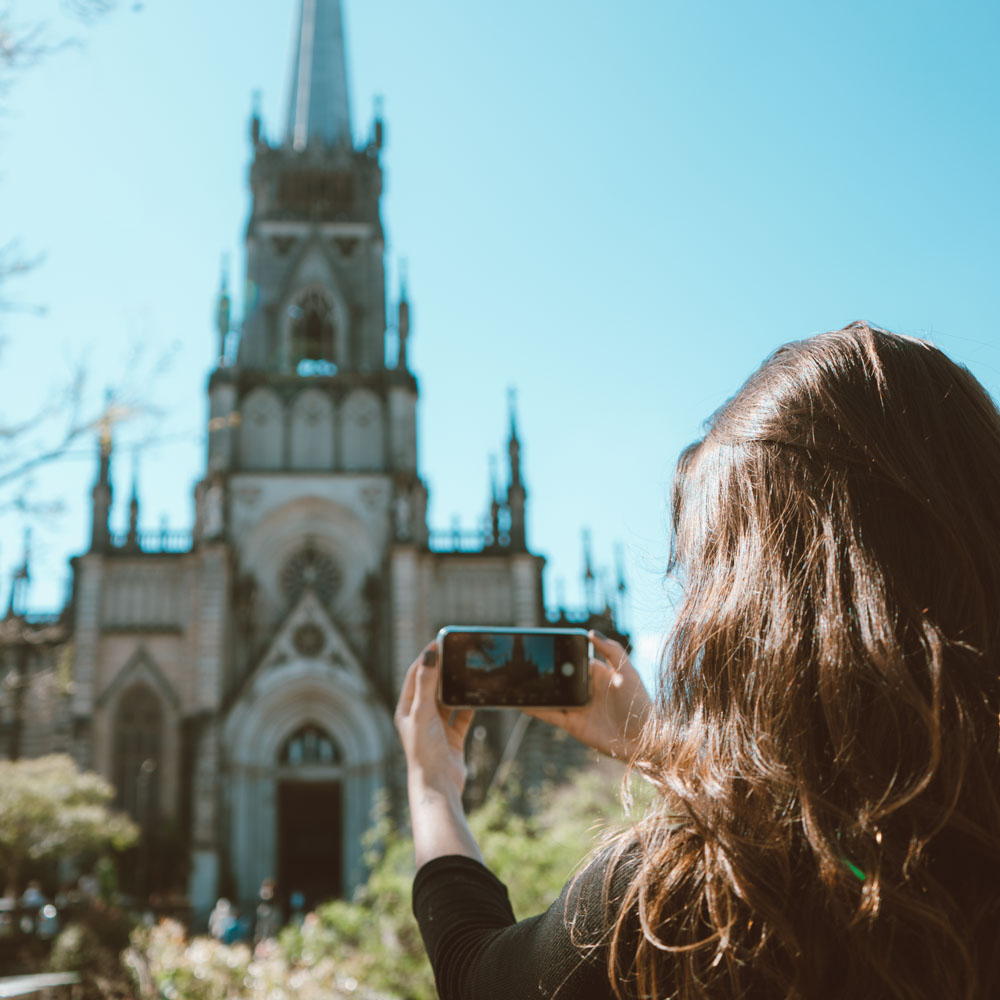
430	657
600	634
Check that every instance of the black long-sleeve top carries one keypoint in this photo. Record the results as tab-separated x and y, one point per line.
480	952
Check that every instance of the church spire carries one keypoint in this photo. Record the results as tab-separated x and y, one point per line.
318	109
516	493
513	444
589	578
222	311
494	503
132	539
100	536
19	581
403	319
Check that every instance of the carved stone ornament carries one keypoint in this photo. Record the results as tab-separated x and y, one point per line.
308	639
248	495
403	510
371	496
213	523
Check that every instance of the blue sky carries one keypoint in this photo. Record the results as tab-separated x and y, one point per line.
620	210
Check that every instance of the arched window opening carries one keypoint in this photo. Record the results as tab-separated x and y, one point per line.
138	753
312	333
311	430
261	430
309	745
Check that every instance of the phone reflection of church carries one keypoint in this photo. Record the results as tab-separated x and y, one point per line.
521	668
236	681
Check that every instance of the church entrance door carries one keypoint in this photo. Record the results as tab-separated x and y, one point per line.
310	849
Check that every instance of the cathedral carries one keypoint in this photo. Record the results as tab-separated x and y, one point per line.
236	683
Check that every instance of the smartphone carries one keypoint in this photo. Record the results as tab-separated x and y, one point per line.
514	667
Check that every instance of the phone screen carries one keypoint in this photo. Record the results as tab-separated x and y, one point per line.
514	667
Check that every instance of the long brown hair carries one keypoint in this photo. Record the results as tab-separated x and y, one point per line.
826	748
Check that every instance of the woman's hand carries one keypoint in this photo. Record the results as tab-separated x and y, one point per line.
433	736
433	739
619	704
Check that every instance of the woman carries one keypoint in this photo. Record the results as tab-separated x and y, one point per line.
825	746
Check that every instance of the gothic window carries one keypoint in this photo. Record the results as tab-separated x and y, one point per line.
362	445
282	244
312	335
313	570
138	745
261	430
308	189
312	431
309	745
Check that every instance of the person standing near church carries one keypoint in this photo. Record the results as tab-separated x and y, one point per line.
267	920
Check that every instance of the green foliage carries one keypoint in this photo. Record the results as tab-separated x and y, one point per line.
76	948
107	878
535	854
49	808
369	946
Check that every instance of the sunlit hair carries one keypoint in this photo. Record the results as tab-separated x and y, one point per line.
826	749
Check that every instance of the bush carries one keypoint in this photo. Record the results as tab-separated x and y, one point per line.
49	808
205	969
76	948
369	947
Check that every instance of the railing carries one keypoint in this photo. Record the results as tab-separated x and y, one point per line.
43	618
562	616
465	540
457	540
164	540
47	986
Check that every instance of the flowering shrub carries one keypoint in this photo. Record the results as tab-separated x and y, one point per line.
206	969
49	808
369	947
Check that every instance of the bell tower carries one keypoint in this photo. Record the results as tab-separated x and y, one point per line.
311	484
308	387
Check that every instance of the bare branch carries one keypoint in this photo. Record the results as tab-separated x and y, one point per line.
34	509
58	424
39	458
21	47
75	394
115	411
14	264
66	398
89	10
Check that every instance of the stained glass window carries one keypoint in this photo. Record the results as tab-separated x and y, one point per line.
309	744
312	329
138	752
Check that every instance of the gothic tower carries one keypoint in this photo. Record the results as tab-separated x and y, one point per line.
311	481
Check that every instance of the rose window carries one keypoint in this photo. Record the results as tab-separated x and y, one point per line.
310	569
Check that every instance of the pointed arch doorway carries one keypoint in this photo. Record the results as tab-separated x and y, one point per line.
310	819
280	700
